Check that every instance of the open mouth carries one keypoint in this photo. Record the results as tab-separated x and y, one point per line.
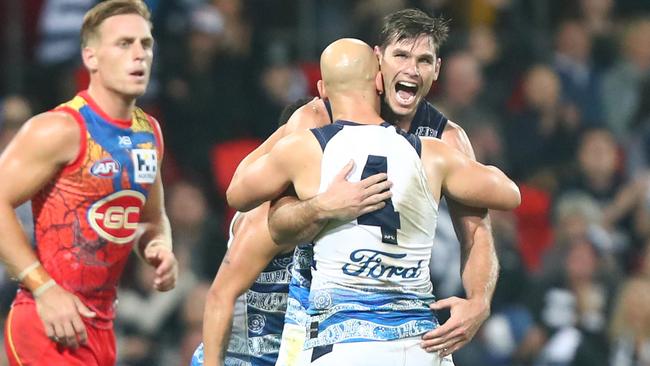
137	73
405	92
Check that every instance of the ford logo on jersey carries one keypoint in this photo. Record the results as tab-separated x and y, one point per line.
105	168
368	263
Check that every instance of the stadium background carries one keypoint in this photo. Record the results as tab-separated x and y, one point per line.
556	93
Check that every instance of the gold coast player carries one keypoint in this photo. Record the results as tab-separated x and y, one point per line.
90	167
369	297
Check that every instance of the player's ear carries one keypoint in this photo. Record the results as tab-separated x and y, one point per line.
379	83
89	58
379	55
436	70
321	89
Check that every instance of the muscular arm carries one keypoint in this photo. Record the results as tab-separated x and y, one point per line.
469	182
260	151
311	115
43	147
293	221
479	262
46	144
250	252
266	178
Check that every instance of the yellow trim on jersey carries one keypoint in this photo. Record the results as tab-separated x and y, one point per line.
75	103
10	338
140	122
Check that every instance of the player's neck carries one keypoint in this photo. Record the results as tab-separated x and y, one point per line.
116	106
404	122
359	109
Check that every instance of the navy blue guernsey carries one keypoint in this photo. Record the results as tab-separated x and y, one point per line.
324	134
428	121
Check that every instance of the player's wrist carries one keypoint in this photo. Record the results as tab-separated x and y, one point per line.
35	278
159	243
143	247
482	301
321	211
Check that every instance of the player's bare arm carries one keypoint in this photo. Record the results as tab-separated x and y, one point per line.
154	243
470	183
479	266
46	144
250	252
466	180
293	221
312	114
269	177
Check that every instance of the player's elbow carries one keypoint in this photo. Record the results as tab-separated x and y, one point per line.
511	197
237	200
232	197
515	196
504	193
282	238
219	298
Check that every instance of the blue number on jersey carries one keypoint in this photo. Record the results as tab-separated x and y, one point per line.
386	218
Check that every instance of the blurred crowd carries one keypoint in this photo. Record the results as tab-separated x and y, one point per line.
556	93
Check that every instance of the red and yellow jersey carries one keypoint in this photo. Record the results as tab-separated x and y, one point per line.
86	218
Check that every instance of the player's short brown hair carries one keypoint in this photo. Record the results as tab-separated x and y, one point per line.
410	24
106	9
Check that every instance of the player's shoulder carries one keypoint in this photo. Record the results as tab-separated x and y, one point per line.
452	129
53	135
456	137
296	148
311	115
295	140
52	125
431	143
435	149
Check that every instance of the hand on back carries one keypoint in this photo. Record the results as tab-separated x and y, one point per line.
344	200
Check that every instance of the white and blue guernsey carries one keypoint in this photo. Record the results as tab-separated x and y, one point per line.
370	279
258	316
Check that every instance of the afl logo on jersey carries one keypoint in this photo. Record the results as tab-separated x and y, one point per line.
105	168
115	217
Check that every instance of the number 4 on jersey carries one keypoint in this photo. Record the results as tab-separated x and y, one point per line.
387	218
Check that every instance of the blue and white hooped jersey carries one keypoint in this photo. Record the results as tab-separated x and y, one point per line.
370	276
258	316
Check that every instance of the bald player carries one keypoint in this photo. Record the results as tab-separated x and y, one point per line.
245	307
370	277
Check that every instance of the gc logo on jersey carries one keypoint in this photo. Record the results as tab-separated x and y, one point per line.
145	164
115	217
105	168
